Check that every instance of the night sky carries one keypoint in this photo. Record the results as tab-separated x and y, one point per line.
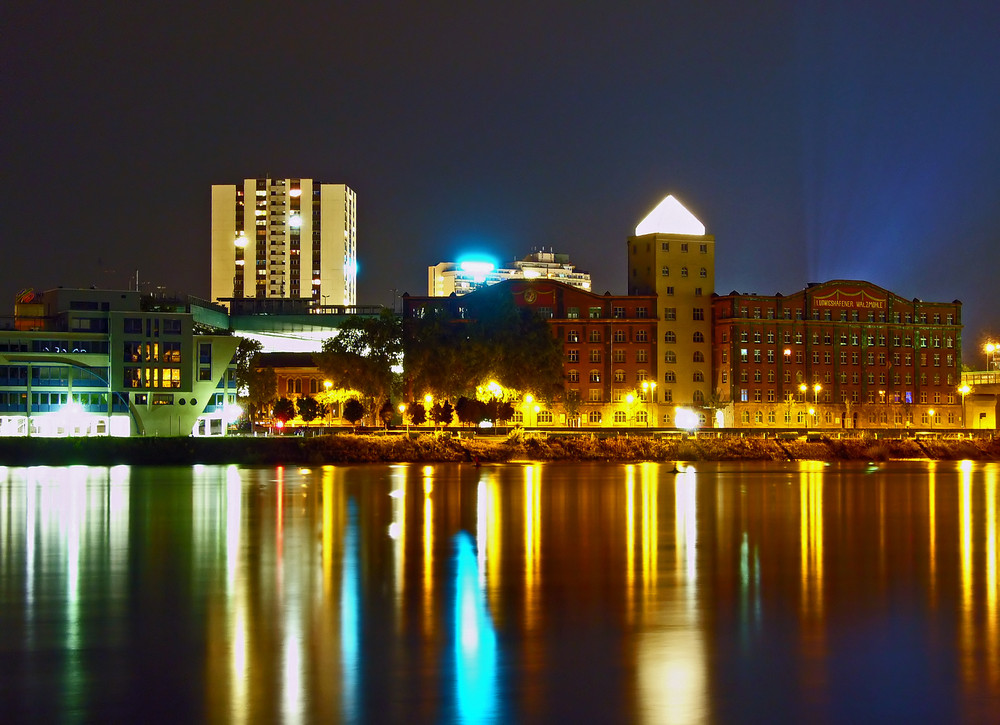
815	139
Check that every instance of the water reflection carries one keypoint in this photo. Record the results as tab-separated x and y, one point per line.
537	591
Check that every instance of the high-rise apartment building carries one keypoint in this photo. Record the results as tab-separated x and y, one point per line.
285	238
671	256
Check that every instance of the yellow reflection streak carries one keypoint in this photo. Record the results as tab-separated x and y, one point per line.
328	530
630	541
495	539
650	516
234	505
811	537
428	580
532	540
685	528
967	621
992	615
932	530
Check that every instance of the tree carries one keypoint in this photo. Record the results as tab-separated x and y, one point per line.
283	410
362	356
256	386
498	410
470	411
494	340
262	391
417	412
354	411
309	408
442	413
385	413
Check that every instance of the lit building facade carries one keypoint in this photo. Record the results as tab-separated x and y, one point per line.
285	238
671	258
841	354
99	362
461	278
609	349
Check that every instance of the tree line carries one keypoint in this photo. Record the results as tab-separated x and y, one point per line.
472	367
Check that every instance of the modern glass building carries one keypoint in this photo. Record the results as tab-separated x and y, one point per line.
98	362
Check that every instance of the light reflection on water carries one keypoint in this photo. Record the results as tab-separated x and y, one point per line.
530	592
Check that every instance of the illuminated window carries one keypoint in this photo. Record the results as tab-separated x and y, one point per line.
595	376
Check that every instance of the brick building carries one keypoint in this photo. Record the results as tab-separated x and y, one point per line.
840	354
609	347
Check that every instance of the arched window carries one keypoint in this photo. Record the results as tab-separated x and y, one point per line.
699	376
684	271
670	377
619	416
699	356
703	273
670	336
699	397
670	356
699	337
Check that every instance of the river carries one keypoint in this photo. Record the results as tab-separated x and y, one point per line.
561	592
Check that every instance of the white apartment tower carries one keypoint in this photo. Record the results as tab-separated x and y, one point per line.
671	256
286	238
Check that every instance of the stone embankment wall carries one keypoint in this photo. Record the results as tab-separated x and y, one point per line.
427	448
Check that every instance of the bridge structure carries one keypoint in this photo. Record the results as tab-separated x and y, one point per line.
980	403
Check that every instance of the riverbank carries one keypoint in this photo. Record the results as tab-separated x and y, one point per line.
427	448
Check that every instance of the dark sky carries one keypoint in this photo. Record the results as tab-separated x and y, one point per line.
815	139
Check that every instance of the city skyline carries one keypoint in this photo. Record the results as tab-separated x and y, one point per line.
815	142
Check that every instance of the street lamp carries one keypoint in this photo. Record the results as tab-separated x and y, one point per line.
992	350
428	399
802	389
528	400
629	399
402	414
327	384
651	387
931	414
964	389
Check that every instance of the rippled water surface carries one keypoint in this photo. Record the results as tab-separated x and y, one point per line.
730	592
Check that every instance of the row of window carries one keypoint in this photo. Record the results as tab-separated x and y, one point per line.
904	318
54	345
573	356
573	376
619	335
52	375
665	247
802	417
853	339
855	359
665	272
134	326
881	396
670	313
855	378
138	377
151	351
596	395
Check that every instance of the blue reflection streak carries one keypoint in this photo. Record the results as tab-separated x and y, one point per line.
350	614
475	639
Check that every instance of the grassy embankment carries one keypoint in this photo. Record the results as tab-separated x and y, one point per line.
429	448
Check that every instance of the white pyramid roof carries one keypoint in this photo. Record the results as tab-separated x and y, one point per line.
670	217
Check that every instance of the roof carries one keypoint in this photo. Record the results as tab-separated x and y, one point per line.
670	217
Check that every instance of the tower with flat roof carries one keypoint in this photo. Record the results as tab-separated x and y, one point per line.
285	238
